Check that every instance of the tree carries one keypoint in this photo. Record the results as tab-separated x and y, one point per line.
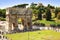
21	5
51	7
2	13
48	14
41	9
56	11
33	6
58	16
34	10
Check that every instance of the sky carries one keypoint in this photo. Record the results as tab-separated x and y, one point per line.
10	3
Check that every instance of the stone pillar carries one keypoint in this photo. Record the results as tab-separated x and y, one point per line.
15	22
11	20
7	19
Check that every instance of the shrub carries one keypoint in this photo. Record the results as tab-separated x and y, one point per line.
2	19
52	25
58	16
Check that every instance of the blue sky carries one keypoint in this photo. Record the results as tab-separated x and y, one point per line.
9	3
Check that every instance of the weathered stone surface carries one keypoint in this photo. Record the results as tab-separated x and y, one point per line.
12	15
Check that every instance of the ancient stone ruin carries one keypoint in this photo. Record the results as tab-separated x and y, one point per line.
13	14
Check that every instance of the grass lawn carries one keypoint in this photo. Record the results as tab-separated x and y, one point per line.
45	22
36	35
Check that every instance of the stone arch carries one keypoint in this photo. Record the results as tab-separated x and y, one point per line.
12	15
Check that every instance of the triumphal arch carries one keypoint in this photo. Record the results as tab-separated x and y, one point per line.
13	14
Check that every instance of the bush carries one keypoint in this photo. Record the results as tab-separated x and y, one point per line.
52	25
36	23
42	24
2	19
58	25
48	15
58	16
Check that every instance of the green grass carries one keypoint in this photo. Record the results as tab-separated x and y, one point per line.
45	22
36	35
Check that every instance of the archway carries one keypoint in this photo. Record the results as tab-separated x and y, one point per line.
13	14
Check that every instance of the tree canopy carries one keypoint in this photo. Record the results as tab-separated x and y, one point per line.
21	5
